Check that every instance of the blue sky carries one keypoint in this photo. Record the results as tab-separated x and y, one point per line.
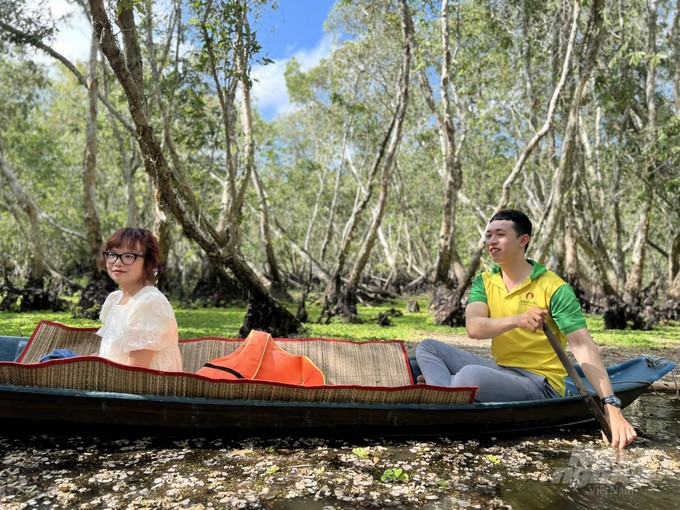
295	29
296	25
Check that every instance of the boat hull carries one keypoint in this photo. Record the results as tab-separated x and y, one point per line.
63	394
25	407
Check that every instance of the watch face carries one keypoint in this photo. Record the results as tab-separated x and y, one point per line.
612	400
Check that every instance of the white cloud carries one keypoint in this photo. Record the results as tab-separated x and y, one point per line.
269	83
73	37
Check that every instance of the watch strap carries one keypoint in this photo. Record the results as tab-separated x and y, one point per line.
612	400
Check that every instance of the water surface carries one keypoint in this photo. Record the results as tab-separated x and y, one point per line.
556	470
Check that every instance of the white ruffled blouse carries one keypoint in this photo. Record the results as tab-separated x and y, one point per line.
146	321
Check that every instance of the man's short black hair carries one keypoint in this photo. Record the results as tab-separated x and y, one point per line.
520	221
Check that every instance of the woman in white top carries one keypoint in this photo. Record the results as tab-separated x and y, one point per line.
139	325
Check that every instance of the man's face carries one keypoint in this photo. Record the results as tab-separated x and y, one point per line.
502	241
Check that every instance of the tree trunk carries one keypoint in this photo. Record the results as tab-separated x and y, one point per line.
569	142
330	224
100	285
451	171
268	314
674	269
278	285
674	252
92	225
216	288
452	310
396	278
227	225
572	270
549	119
36	256
33	296
634	280
675	37
634	298
129	162
316	268
447	306
162	230
384	161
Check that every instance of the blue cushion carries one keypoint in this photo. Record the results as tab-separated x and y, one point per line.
11	347
58	354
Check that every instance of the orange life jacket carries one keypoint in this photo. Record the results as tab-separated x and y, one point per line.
260	359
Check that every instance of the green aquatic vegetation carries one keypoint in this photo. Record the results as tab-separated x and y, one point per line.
203	322
360	452
630	337
403	325
407	326
493	459
394	475
23	324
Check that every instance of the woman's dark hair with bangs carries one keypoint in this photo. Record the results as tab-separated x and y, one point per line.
520	222
142	241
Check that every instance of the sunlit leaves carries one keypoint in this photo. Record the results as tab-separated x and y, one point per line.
224	37
129	4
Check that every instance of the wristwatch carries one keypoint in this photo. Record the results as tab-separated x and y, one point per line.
612	400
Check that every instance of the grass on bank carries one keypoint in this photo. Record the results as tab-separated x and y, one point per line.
225	322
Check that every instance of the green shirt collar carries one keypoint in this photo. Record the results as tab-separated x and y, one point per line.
539	269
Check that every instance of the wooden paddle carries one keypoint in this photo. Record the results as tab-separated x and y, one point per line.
571	371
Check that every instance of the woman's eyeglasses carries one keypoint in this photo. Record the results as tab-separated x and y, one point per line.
126	258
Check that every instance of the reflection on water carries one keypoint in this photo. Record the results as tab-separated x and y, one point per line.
657	417
582	475
580	482
547	495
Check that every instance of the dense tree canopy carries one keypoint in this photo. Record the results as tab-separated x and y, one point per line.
426	118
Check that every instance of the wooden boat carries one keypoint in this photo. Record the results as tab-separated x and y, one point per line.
370	391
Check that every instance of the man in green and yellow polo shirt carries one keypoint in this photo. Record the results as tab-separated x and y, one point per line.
509	304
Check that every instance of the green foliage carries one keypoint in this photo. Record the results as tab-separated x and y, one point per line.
225	37
404	326
493	459
23	324
299	88
22	15
225	323
395	475
124	5
660	335
361	452
204	322
506	58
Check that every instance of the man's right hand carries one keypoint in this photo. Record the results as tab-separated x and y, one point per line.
531	319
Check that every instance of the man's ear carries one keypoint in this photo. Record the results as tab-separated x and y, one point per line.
524	240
